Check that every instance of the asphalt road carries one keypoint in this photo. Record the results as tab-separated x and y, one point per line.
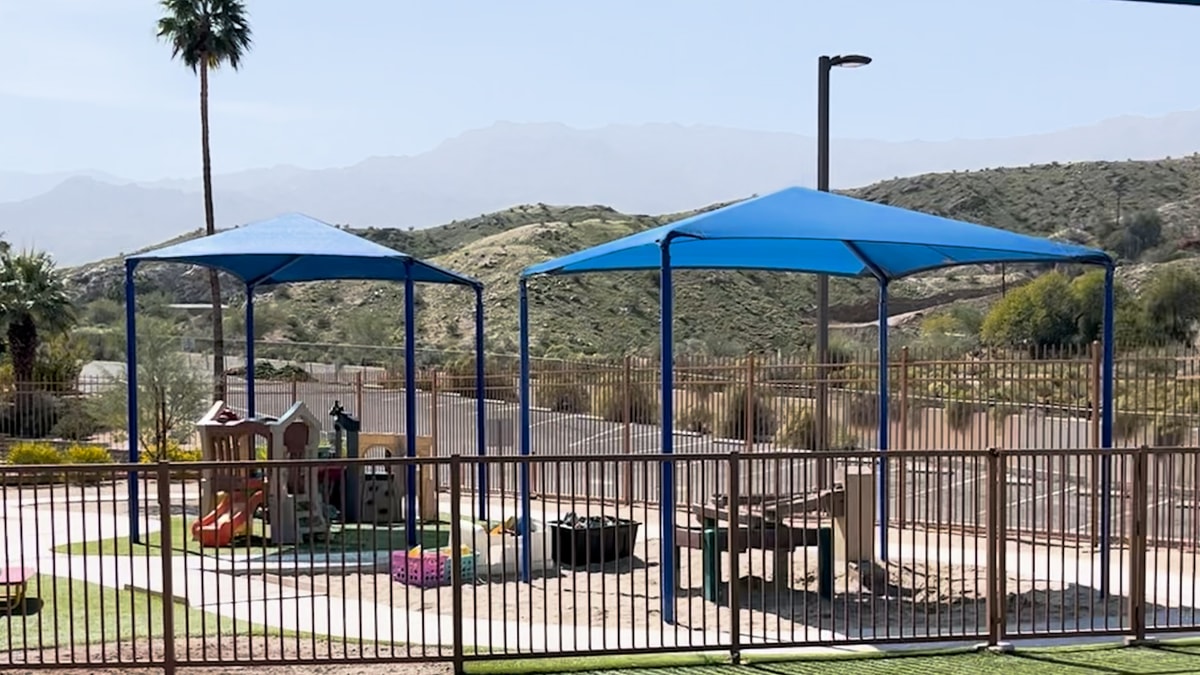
1043	494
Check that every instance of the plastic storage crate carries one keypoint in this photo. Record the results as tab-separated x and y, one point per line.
431	569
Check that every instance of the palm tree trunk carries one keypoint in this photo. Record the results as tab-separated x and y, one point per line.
210	228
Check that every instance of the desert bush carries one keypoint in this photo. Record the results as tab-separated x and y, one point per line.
33	453
1001	412
799	431
84	456
1127	425
76	421
916	413
960	414
265	371
88	454
698	418
846	441
175	453
563	397
498	385
1171	432
734	422
862	410
643	403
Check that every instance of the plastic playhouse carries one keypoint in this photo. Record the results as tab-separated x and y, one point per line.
373	494
229	498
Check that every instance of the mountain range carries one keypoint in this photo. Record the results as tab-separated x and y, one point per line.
652	168
718	312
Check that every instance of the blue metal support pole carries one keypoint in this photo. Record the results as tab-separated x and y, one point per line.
667	489
250	407
410	404
884	422
1106	425
131	381
480	404
525	541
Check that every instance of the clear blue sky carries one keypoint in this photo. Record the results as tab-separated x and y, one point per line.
85	84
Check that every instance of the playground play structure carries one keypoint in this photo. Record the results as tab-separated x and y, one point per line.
299	501
230	497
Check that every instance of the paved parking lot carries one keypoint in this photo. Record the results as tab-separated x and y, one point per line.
1043	495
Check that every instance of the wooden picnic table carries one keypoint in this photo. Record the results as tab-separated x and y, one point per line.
765	530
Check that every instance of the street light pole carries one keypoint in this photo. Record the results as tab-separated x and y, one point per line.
824	65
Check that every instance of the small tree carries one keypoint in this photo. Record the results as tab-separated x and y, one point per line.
171	395
1087	291
1134	235
1038	315
1171	302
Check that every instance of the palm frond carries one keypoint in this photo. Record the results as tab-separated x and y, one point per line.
215	32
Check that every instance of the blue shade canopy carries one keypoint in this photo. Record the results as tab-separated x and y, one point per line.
802	230
294	248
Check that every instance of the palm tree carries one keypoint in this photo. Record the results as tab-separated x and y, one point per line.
33	302
204	35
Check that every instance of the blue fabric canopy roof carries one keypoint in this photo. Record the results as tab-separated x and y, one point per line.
294	248
802	230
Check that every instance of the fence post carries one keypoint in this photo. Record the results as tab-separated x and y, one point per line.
1137	545
434	394
735	645
296	392
1093	465
358	398
997	600
166	541
627	433
750	428
456	593
902	438
820	422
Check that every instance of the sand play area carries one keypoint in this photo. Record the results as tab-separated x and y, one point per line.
877	600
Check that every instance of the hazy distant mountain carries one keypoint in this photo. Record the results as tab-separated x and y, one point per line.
651	168
15	186
83	218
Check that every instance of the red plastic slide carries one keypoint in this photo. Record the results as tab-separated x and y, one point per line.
227	521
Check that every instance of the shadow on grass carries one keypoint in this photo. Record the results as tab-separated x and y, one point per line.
28	607
1156	660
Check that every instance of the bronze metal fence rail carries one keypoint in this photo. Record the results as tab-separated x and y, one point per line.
311	561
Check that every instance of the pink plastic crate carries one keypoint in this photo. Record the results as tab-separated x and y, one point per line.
425	572
431	569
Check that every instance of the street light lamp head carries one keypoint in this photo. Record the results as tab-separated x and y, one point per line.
849	61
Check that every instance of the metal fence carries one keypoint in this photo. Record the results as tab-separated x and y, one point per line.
282	566
604	408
